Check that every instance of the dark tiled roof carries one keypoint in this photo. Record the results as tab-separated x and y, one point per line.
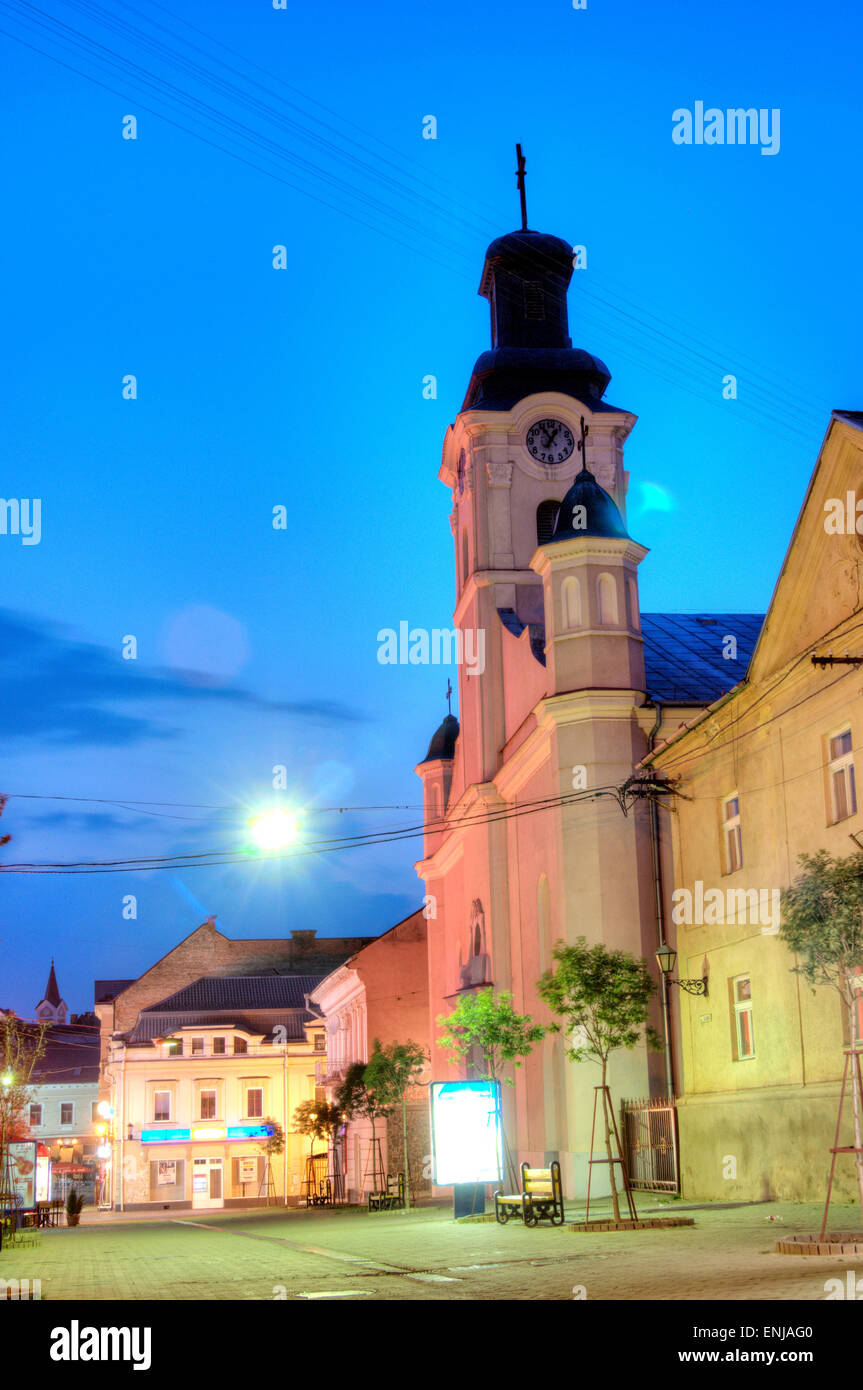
52	993
160	1025
221	992
103	990
71	1055
683	654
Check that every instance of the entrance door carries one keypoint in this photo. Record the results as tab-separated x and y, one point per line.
207	1183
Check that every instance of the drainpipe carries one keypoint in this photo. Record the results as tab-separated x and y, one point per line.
285	1114
122	1177
660	915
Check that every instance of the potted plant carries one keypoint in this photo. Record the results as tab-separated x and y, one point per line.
74	1203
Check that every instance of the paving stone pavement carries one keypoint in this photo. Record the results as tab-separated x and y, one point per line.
424	1255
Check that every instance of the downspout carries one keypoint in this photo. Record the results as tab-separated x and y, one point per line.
122	1177
660	915
285	1113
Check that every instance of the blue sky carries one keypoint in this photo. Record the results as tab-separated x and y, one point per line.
303	388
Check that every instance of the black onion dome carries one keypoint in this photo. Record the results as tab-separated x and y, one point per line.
601	513
443	740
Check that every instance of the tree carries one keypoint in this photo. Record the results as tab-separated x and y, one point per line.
487	1022
389	1074
822	923
354	1097
21	1046
604	997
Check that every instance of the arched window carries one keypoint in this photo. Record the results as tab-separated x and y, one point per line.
476	968
546	516
632	605
571	594
606	600
463	558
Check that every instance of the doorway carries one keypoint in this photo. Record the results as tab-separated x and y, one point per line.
207	1189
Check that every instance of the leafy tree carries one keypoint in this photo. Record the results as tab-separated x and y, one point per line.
486	1023
822	923
604	997
389	1074
354	1097
21	1046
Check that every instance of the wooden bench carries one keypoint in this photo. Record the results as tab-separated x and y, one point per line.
393	1196
540	1199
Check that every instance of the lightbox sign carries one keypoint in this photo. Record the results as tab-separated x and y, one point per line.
466	1136
205	1132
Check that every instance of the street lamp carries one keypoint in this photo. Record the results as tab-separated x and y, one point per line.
274	829
665	958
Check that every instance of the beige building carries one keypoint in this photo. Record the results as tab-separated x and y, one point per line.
764	774
201	1083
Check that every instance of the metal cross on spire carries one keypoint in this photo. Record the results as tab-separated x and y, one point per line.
585	431
519	173
449	695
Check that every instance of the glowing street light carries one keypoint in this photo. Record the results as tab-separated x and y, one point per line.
274	829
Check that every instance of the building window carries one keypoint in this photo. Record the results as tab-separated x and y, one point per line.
67	1112
197	1047
320	1095
546	516
534	300
731	833
240	1045
320	1042
843	793
208	1105
35	1115
571	593
161	1105
95	1117
218	1046
606	600
255	1102
741	998
174	1048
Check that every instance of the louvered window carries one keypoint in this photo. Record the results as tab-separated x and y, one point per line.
546	516
534	300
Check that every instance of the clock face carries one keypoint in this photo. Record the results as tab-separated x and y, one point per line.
550	441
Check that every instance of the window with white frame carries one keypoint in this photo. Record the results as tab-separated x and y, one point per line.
208	1105
95	1117
843	792
320	1042
240	1045
254	1102
35	1115
67	1112
197	1047
161	1105
733	844
741	1000
218	1046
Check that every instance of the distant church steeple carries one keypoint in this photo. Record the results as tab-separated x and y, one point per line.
51	1009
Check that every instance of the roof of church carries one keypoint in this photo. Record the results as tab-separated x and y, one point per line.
52	993
683	654
443	740
601	514
103	990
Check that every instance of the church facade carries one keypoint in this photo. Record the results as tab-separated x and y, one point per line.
526	839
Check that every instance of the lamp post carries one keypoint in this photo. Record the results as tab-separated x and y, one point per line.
105	1130
665	958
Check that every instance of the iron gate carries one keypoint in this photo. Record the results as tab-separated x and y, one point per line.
650	1143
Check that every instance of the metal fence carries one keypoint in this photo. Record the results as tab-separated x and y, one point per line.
650	1143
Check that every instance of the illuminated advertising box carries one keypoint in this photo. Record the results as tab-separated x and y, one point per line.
466	1132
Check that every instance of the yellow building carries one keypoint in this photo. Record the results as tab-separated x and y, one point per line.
763	775
201	1082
